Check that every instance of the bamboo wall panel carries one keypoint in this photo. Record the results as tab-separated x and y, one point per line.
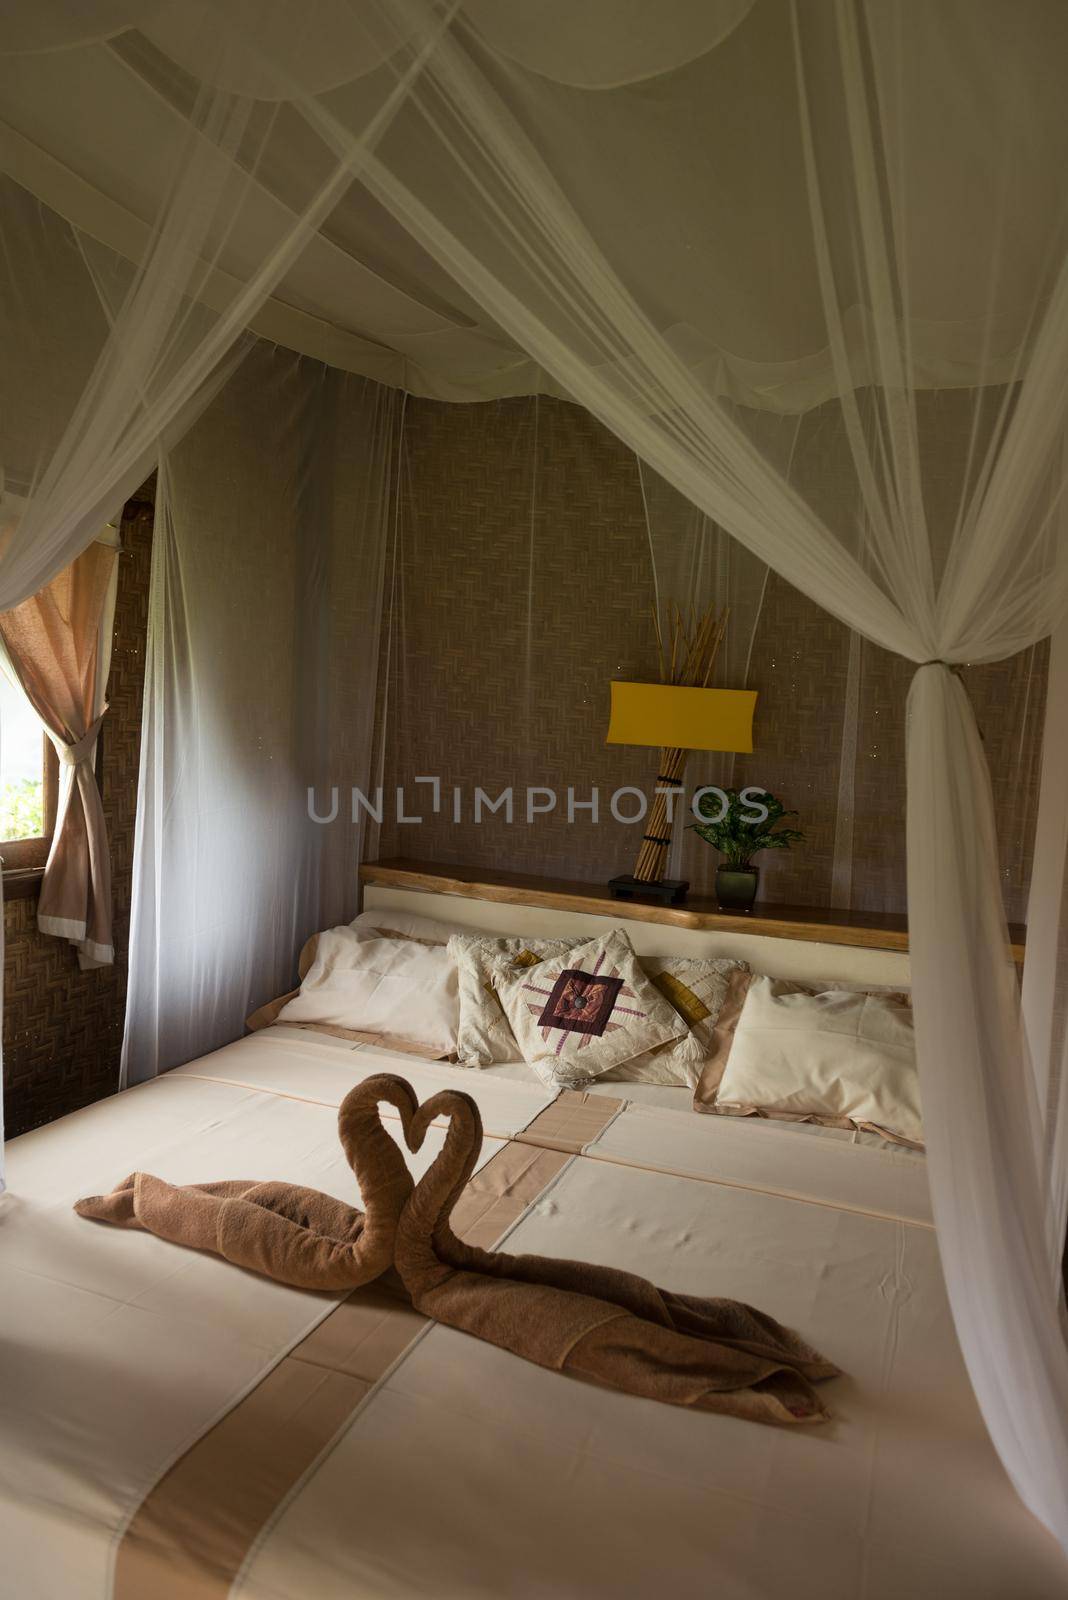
510	513
524	583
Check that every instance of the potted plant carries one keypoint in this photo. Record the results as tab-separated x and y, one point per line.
739	827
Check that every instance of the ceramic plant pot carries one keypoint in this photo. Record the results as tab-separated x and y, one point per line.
736	887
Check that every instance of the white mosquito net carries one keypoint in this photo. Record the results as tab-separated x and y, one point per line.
695	221
531	548
269	552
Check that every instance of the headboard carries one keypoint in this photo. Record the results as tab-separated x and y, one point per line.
847	954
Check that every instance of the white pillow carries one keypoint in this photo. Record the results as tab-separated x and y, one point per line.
578	1014
829	1055
485	1038
396	988
407	925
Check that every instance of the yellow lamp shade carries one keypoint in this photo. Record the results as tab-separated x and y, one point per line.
674	717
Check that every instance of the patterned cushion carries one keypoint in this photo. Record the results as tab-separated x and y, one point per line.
484	1038
578	1015
697	989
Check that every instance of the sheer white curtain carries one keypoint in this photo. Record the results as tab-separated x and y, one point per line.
696	563
824	208
269	550
114	353
107	356
1045	980
892	295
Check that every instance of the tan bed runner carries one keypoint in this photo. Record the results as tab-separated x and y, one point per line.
191	1534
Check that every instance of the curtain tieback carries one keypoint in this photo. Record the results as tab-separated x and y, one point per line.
72	755
950	666
956	667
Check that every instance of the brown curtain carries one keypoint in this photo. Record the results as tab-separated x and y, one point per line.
53	644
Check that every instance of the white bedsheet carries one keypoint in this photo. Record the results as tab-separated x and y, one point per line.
117	1350
666	1095
318	1067
467	1472
669	1097
748	1152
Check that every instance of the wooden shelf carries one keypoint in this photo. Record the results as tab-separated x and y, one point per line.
21	883
814	923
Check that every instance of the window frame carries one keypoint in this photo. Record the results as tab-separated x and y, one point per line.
24	859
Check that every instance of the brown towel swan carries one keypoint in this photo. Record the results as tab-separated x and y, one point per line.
297	1235
595	1322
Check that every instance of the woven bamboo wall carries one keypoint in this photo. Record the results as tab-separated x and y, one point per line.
524	583
63	1027
476	696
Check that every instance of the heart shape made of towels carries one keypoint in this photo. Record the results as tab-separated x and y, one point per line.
595	1322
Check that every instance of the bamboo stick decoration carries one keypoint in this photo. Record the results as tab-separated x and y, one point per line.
694	646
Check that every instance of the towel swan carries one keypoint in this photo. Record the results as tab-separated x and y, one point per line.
570	1316
283	1230
595	1322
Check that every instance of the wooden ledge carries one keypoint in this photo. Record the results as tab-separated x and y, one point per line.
816	924
21	883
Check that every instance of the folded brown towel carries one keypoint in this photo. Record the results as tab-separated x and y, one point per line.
595	1322
297	1235
573	1316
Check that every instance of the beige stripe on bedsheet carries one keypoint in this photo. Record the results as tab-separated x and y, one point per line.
192	1532
572	1122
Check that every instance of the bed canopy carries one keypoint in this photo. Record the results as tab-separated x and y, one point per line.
711	223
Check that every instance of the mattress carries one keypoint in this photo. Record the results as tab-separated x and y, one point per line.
174	1426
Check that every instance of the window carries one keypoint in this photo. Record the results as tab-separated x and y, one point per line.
28	772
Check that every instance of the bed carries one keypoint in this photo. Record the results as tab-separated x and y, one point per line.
175	1427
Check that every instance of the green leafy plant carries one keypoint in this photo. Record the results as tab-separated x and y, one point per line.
22	809
739	833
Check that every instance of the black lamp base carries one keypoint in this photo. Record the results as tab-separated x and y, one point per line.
662	891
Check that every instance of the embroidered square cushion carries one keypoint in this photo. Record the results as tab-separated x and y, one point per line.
697	988
578	1014
485	1037
836	1056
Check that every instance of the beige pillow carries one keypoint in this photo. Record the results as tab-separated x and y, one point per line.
484	1038
266	1014
840	1057
405	925
578	1014
390	987
696	988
